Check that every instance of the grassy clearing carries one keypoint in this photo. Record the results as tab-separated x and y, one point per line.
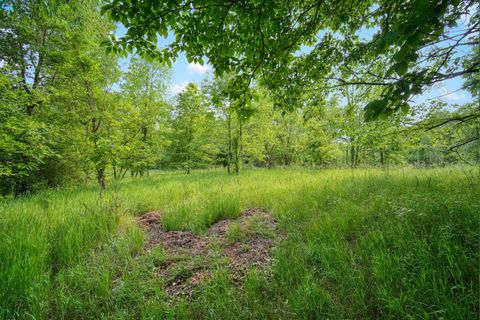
400	243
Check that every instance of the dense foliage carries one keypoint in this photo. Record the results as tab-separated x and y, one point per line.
357	88
402	47
72	113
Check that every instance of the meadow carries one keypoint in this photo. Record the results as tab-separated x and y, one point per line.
361	243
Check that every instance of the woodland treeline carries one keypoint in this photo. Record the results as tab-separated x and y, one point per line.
71	113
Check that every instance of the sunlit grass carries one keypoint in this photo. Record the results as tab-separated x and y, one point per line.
400	243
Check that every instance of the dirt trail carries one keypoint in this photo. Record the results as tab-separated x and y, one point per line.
240	244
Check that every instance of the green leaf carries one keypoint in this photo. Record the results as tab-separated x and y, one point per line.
401	68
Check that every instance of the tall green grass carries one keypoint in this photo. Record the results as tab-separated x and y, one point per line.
400	243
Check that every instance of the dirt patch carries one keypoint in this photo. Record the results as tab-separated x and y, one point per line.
255	248
265	217
245	255
190	256
220	228
177	241
249	212
150	219
181	277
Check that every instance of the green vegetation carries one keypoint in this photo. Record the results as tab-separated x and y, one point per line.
322	169
401	243
401	48
325	92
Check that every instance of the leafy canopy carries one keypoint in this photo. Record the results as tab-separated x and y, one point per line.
414	45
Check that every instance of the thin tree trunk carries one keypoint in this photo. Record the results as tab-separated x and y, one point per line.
101	179
356	156
235	155
144	140
352	156
229	151
346	154
238	149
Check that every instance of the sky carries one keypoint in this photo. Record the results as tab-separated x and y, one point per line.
183	72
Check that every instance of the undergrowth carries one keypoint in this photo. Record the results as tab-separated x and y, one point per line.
400	243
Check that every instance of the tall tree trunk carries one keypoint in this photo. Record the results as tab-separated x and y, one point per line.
346	154
240	146
144	140
229	151
238	149
356	156
37	70
352	156
235	155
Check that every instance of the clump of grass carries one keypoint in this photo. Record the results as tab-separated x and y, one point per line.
107	280
250	227
225	207
183	216
41	235
235	233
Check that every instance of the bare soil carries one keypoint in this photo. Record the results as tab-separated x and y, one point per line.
150	219
190	256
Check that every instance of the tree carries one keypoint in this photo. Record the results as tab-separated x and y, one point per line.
445	135
234	113
191	145
144	87
33	37
417	43
24	143
94	108
85	93
216	90
41	49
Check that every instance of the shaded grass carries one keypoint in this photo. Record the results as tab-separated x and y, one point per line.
398	243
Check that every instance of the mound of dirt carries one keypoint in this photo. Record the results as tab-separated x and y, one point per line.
150	219
190	256
256	252
249	212
220	228
180	281
177	241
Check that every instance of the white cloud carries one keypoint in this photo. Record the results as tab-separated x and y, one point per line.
177	87
455	97
194	67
